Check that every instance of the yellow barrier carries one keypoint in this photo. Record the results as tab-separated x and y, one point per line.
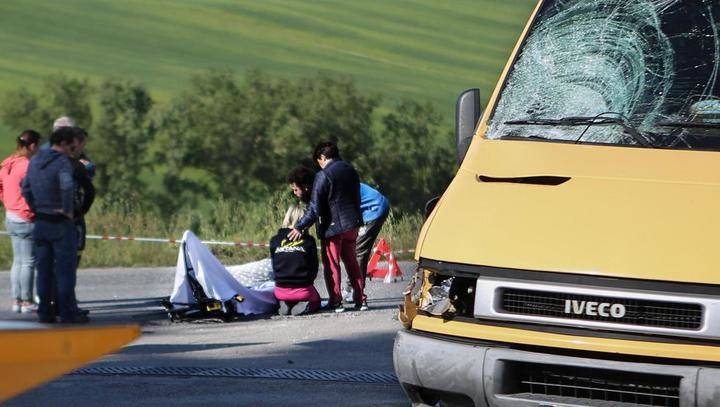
32	354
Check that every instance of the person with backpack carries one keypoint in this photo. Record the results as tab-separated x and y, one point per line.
295	265
335	206
19	220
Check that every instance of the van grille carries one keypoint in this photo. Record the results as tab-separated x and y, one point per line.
550	382
637	312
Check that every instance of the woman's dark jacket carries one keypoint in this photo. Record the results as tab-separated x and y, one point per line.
295	264
335	201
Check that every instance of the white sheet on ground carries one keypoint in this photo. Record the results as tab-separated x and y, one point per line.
253	274
216	281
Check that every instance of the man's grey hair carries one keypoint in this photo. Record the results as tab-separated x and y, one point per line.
63	121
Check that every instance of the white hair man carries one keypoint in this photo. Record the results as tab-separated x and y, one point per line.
63	121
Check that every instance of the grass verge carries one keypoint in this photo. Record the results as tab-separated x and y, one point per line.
225	220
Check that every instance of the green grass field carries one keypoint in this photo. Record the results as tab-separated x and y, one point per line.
420	49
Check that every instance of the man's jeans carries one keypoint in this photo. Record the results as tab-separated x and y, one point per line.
56	253
22	274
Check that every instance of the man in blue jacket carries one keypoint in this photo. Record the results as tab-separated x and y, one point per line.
335	206
49	190
375	209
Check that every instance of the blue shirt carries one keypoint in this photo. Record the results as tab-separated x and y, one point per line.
373	204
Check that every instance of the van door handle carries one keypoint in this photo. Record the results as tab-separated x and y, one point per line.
532	180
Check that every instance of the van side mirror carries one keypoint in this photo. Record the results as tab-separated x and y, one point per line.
467	113
430	205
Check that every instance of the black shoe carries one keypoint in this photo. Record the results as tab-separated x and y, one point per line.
300	308
284	309
362	306
337	308
44	319
75	319
80	311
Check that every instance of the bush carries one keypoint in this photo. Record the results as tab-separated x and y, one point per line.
212	159
121	139
60	96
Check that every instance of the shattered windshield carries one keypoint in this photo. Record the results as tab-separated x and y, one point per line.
618	72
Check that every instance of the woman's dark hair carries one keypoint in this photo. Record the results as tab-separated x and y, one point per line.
62	135
24	141
301	176
28	138
326	148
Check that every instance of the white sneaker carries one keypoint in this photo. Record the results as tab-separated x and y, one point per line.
16	307
347	295
28	308
363	306
339	309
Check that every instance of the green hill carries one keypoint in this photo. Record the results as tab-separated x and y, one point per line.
421	49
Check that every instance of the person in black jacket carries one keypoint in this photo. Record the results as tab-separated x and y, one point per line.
295	265
84	188
335	206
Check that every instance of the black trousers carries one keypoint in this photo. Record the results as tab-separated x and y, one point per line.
366	241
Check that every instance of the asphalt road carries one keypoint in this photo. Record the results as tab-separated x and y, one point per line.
323	359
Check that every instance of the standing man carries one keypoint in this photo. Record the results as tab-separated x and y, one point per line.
84	188
335	206
375	209
48	189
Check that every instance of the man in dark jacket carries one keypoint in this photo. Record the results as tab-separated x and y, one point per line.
48	189
335	206
84	188
374	208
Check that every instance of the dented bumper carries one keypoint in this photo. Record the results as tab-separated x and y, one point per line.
431	370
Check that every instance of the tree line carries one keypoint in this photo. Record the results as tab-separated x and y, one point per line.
236	138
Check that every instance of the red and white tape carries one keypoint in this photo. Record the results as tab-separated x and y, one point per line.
175	241
248	244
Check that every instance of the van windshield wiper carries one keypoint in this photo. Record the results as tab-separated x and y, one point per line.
588	121
689	125
566	121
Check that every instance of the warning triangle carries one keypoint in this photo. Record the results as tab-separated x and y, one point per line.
392	272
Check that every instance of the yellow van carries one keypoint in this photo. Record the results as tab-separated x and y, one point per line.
574	260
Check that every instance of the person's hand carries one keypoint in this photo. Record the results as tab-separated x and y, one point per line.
294	234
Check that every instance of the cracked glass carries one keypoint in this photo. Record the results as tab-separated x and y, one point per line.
616	72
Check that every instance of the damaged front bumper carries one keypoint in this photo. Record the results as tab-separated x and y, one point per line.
432	369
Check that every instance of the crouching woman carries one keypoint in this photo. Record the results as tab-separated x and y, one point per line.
295	264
